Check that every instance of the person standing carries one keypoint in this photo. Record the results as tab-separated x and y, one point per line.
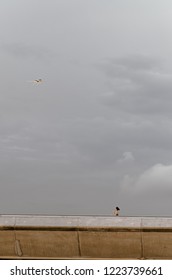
116	211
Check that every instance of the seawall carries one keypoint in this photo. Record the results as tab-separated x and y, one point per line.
85	237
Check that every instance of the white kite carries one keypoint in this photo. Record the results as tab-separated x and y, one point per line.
37	81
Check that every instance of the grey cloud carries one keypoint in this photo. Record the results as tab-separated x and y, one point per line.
138	85
66	145
127	66
127	157
138	62
25	51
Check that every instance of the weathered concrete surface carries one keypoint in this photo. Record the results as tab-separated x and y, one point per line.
58	237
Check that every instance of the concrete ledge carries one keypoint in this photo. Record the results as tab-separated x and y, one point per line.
75	237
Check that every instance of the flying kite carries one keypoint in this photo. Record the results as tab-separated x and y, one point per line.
36	81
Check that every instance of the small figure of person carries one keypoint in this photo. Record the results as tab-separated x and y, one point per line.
116	211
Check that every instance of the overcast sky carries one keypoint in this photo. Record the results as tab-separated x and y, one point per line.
97	132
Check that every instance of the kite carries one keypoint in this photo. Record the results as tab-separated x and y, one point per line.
36	81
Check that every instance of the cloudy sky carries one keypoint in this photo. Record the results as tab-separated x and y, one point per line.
97	133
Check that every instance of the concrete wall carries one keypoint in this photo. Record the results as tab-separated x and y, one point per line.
58	237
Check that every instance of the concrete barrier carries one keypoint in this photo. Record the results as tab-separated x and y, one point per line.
85	237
